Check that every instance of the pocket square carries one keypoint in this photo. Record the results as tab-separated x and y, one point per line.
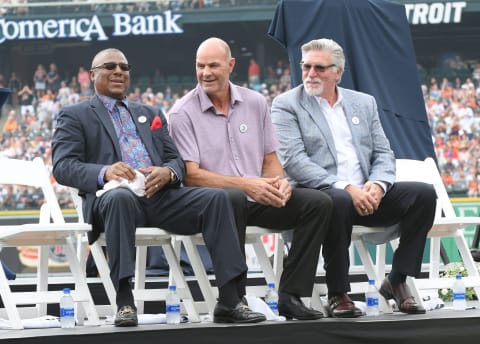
156	123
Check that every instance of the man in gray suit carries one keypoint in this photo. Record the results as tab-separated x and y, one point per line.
332	139
109	138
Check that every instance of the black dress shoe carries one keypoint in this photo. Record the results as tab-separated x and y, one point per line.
238	314
291	306
342	306
402	296
126	316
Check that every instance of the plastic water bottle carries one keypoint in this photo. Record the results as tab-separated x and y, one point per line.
371	299
459	297
67	310
173	306
271	298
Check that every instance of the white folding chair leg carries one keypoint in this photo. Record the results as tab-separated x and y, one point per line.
467	258
278	257
42	269
42	281
82	293
435	244
199	270
176	274
104	272
264	262
414	290
366	259
316	301
8	302
380	262
140	274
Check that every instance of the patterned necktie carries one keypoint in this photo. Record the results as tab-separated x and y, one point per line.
133	150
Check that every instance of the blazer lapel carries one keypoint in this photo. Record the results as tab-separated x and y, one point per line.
352	115
310	105
142	121
104	117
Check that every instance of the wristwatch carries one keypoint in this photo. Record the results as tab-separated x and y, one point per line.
173	177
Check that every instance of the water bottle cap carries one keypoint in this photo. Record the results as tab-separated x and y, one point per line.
172	287
271	285
458	277
66	290
371	281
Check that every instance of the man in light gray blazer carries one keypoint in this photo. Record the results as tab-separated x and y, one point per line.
332	139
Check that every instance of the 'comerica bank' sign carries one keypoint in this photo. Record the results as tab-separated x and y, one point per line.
435	12
89	28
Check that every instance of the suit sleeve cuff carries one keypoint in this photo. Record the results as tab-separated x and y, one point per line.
101	176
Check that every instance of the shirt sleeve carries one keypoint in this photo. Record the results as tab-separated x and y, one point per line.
183	135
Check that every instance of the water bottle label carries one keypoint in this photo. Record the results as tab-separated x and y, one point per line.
459	296
173	308
67	312
273	306
372	302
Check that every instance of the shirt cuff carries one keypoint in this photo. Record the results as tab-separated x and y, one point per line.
340	185
101	176
383	185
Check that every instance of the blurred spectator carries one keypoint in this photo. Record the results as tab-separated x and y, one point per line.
11	124
14	84
40	80
253	74
26	100
53	78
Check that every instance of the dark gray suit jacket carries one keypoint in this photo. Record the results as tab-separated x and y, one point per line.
85	140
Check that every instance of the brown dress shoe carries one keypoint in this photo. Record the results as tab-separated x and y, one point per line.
342	306
402	296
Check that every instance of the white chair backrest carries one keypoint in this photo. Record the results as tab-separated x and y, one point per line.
34	174
426	171
77	201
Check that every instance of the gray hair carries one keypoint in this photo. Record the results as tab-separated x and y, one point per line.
338	58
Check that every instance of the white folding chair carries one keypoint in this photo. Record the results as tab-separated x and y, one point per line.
144	237
446	224
253	236
43	234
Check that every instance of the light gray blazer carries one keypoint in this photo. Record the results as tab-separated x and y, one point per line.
308	152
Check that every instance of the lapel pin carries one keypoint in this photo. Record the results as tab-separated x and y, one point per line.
355	120
243	128
142	119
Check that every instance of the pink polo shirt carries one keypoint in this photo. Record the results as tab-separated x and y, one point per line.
232	145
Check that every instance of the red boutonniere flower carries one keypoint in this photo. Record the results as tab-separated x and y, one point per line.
156	123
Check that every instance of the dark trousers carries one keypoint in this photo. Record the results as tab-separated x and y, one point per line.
411	205
178	210
308	211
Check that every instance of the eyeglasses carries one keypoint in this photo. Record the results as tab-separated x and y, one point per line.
112	65
318	68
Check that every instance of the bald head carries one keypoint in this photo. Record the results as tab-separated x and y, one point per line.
98	59
214	45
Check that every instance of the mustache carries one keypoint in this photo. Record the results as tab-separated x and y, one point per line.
313	80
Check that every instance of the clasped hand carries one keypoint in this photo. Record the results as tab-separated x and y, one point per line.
366	200
270	191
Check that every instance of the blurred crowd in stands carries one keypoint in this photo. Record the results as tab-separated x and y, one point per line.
28	7
452	105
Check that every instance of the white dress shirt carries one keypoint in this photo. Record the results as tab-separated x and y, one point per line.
348	165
